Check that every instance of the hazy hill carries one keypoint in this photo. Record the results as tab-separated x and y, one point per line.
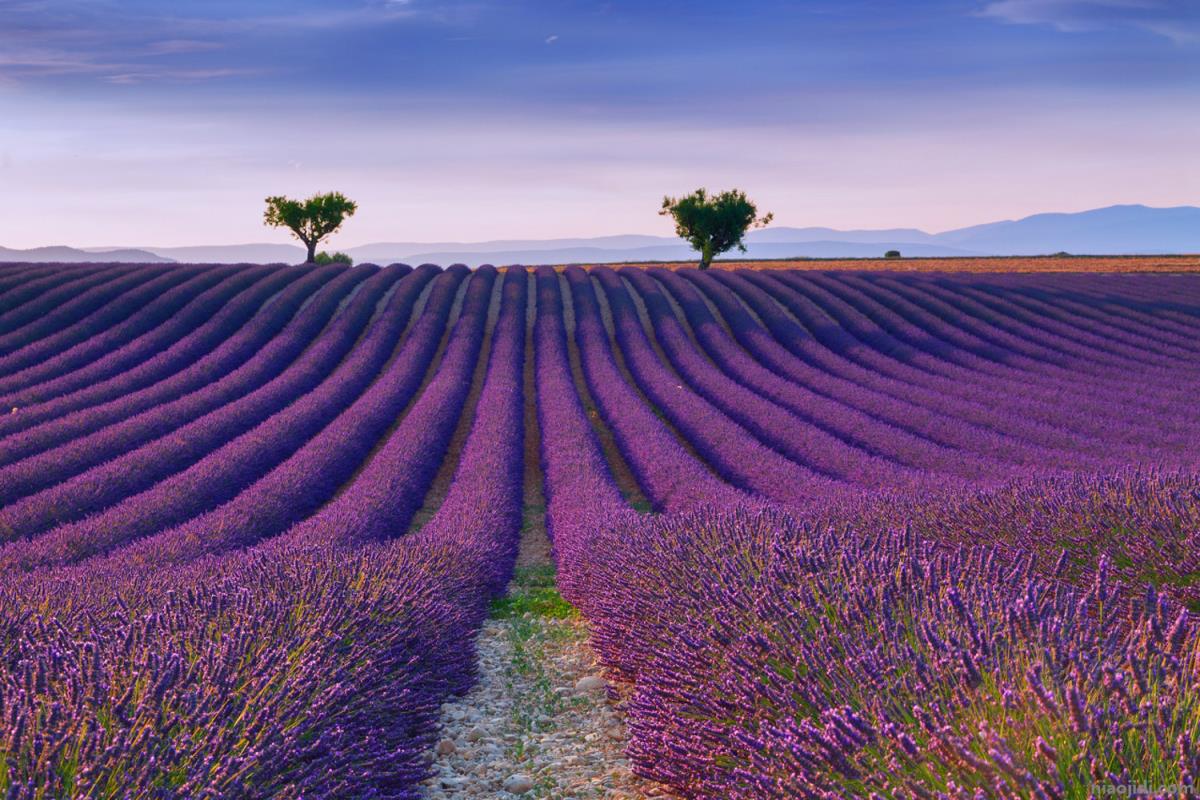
234	254
668	252
391	251
1116	230
886	236
60	254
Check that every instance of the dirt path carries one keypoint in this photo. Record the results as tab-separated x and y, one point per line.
542	722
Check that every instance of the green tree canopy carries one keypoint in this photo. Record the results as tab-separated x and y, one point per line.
713	224
310	220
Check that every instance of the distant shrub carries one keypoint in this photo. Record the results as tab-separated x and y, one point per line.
324	258
892	254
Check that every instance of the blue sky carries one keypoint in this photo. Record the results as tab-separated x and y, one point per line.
156	123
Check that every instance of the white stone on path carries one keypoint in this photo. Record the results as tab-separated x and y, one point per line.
591	683
518	784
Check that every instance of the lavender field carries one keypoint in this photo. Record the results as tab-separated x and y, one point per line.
842	534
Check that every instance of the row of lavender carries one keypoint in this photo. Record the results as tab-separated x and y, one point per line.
938	637
301	415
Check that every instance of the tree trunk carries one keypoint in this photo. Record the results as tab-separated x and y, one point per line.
312	252
706	256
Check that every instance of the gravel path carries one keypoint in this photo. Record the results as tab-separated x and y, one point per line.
542	722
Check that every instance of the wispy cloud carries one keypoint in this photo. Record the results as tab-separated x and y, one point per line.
18	64
1177	20
174	76
174	46
142	41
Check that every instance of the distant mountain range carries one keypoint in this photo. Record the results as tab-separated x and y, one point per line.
60	254
1116	230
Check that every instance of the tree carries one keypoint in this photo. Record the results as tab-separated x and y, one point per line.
310	220
713	224
892	254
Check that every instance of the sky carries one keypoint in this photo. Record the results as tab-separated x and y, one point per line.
154	123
